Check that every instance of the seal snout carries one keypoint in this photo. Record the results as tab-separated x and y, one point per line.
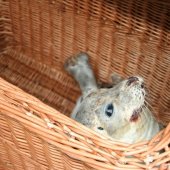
132	80
135	80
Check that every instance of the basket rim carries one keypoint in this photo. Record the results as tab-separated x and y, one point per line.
67	134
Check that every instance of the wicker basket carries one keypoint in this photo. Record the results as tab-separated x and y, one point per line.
36	37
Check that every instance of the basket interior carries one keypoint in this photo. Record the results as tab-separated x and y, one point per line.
37	36
128	38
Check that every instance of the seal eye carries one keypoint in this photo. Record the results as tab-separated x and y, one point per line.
109	110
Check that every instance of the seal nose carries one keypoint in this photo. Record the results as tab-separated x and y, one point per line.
132	80
142	85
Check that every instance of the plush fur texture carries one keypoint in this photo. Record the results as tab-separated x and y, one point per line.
118	112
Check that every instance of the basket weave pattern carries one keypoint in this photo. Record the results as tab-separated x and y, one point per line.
33	134
36	37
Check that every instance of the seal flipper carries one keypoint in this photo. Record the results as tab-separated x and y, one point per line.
78	66
115	79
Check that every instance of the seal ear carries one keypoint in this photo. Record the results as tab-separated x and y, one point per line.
100	128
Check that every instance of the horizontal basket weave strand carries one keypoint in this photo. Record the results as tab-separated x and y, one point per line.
36	37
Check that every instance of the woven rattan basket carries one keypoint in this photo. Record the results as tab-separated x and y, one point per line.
36	37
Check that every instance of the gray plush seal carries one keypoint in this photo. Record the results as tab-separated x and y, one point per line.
118	112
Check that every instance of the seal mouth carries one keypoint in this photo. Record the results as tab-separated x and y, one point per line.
136	114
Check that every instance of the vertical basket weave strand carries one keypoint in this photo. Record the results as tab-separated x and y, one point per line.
36	37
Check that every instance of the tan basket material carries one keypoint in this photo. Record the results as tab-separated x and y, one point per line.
36	37
35	135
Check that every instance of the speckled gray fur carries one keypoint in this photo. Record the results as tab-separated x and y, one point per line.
125	98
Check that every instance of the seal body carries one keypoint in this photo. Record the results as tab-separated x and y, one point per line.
118	112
